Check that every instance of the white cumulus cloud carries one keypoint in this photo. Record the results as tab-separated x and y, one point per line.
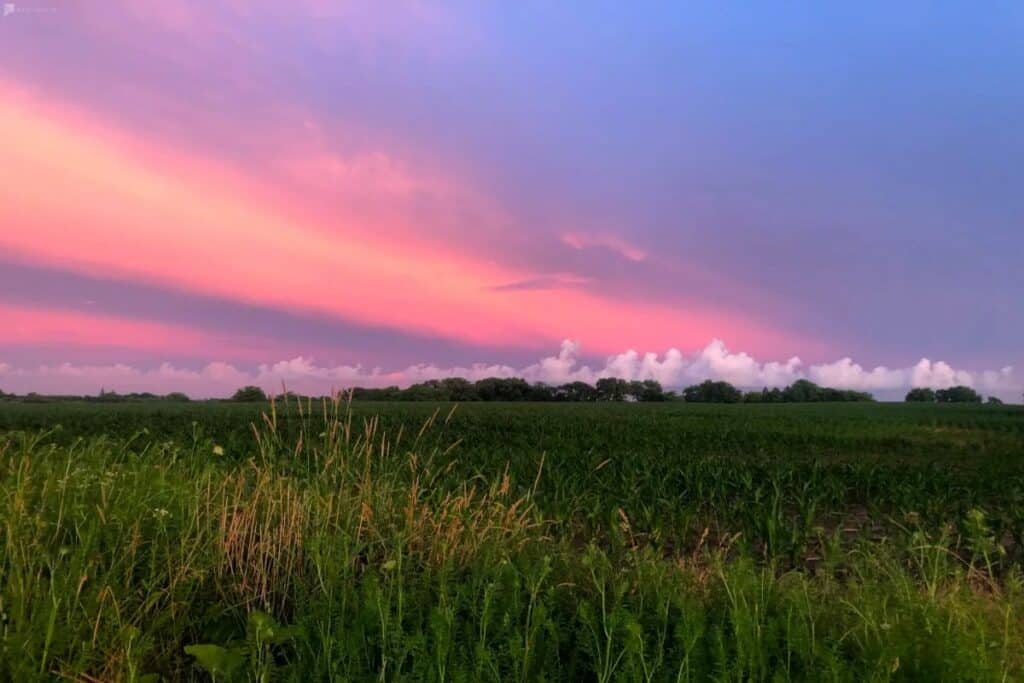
674	369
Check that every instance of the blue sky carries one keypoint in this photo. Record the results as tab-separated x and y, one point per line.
819	182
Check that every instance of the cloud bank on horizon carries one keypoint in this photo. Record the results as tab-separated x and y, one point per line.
379	186
673	369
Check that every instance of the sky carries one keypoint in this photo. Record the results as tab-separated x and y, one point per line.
198	195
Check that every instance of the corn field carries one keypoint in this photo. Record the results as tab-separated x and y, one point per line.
337	541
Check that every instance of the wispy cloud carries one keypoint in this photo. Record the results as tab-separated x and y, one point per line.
543	282
607	241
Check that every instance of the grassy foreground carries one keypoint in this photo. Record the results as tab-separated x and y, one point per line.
514	542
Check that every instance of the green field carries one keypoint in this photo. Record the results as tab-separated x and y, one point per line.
511	542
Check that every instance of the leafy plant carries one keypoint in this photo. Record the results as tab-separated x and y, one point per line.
256	653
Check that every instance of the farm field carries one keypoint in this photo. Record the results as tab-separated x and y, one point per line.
501	542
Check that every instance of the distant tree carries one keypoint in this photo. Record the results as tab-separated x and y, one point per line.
648	390
920	395
539	391
249	394
391	393
576	391
611	389
755	396
431	390
994	401
958	394
712	392
842	395
503	389
177	397
459	389
802	391
632	390
109	397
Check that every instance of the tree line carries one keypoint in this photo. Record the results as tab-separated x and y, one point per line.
605	389
957	394
103	397
517	389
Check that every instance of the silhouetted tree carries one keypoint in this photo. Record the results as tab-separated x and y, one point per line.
109	397
249	394
801	391
712	392
576	391
539	391
648	390
391	393
431	390
503	389
459	389
611	389
920	395
957	394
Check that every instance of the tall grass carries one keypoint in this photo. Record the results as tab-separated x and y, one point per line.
327	548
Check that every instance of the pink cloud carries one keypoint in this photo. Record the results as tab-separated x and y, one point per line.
29	327
67	329
85	198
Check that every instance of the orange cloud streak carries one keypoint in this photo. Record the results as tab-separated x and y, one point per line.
85	198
